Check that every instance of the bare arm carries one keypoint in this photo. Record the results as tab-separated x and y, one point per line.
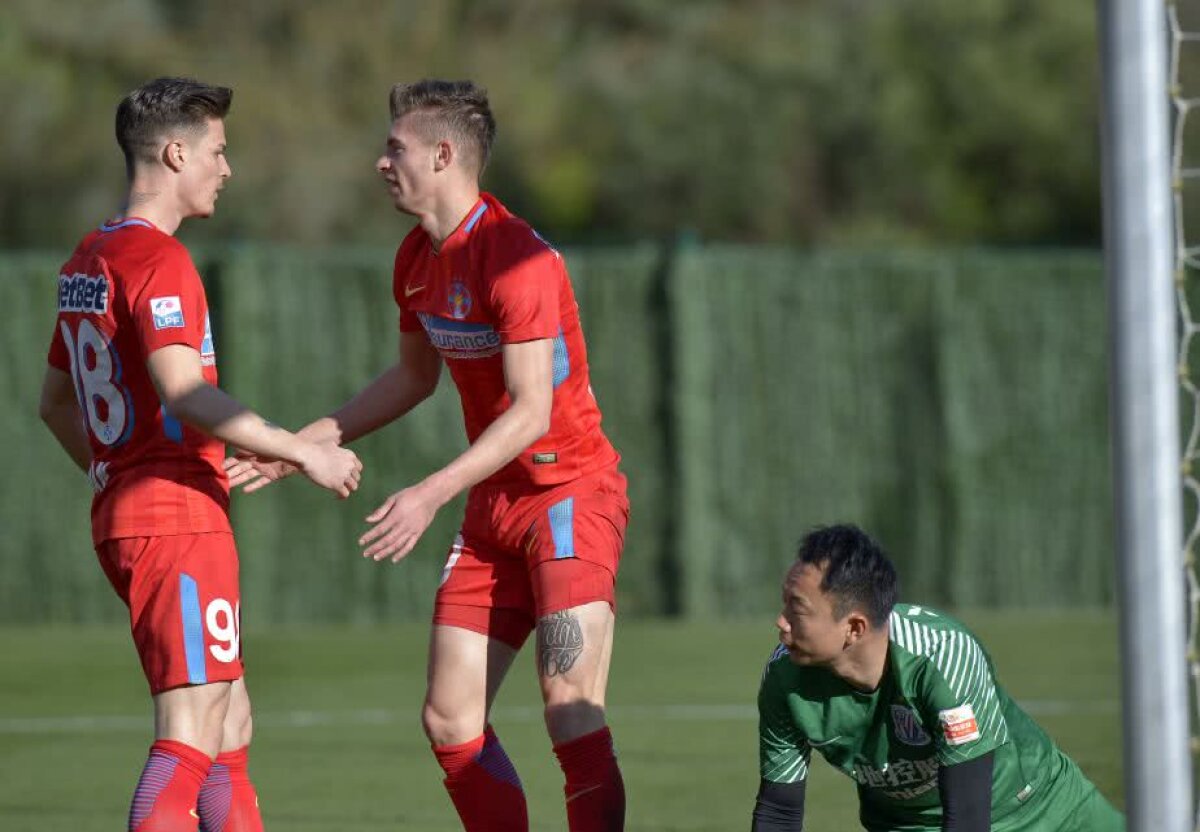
403	517
59	409
389	396
395	392
528	375
179	379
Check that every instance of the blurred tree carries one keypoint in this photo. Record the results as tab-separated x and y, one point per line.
852	122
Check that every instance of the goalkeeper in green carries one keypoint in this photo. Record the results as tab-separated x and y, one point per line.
904	700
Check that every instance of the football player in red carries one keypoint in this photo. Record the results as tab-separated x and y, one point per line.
130	393
479	291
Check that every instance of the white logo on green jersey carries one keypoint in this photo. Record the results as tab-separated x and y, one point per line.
899	779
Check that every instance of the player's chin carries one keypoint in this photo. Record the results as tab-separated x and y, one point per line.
399	201
800	657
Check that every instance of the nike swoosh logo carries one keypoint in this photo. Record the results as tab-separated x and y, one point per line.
825	743
585	791
409	291
192	812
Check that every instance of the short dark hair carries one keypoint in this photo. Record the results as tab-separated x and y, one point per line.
857	572
161	105
459	108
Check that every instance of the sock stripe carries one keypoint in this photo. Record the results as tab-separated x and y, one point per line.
215	800
483	785
159	770
496	763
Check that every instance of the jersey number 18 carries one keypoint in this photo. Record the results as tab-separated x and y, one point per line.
96	368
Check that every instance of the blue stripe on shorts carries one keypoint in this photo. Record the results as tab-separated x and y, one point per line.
193	629
562	527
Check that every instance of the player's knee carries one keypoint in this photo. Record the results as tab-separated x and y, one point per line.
444	726
215	716
193	715
239	725
579	692
246	733
431	723
569	718
239	731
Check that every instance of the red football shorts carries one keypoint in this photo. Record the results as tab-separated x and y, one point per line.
528	551
184	606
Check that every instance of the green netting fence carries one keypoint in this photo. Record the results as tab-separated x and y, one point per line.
953	403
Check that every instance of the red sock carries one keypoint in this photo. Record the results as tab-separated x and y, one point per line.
165	799
595	791
228	802
484	785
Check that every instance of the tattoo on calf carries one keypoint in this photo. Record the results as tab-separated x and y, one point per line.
560	642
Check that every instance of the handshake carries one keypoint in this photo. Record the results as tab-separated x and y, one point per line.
325	463
396	525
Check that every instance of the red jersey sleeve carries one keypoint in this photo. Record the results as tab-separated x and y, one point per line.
169	306
524	292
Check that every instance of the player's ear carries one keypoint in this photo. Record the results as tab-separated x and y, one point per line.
443	155
857	626
174	155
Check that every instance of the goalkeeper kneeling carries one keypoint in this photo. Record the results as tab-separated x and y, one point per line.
904	700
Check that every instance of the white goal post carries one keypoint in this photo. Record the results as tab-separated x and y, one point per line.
1144	385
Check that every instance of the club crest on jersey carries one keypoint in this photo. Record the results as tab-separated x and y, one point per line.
83	293
908	728
167	312
459	300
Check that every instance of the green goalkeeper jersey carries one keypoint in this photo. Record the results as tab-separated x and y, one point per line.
937	704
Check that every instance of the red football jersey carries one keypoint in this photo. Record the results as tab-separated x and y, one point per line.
496	282
128	290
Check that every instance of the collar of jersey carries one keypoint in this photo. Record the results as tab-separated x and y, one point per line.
459	237
106	227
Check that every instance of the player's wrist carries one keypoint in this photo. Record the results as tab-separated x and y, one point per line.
304	455
324	430
437	490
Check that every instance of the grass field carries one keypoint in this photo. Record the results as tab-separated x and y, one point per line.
338	744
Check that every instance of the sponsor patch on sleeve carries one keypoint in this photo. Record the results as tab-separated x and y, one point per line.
167	312
959	725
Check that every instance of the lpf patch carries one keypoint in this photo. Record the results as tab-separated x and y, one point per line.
459	300
908	727
167	312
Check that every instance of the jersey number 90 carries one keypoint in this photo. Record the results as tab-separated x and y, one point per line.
224	623
96	368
